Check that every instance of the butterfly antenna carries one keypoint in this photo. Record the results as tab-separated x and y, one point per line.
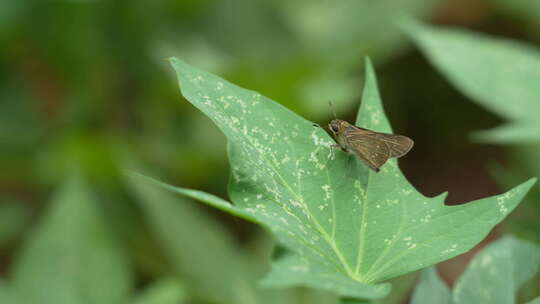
332	108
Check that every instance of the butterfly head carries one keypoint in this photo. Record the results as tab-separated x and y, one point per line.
337	126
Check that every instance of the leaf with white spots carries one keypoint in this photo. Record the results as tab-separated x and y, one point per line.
493	276
501	75
346	228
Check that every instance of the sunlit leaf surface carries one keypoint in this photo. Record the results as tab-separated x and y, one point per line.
345	228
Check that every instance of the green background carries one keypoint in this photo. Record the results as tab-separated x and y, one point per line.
86	92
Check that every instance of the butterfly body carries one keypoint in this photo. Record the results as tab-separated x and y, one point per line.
373	148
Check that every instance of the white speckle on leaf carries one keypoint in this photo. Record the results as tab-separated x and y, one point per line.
315	138
295	203
451	249
327	194
240	102
486	260
375	117
406	192
501	203
299	268
303	229
426	218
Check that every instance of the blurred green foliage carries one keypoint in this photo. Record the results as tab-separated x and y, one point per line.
85	83
493	276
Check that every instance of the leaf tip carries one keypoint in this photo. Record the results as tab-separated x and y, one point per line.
408	24
443	195
173	60
368	63
177	64
371	112
369	69
526	186
530	182
134	174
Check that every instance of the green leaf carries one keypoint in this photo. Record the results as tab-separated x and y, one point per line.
209	199
535	301
346	227
493	276
72	257
431	289
192	241
6	294
401	289
292	269
501	75
496	273
258	251
510	133
164	291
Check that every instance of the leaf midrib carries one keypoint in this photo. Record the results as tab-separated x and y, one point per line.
361	234
313	219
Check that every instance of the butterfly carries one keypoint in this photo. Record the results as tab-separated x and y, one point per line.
373	148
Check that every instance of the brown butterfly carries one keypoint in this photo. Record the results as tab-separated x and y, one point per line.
373	148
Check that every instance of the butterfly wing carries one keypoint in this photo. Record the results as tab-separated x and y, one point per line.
398	145
371	150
